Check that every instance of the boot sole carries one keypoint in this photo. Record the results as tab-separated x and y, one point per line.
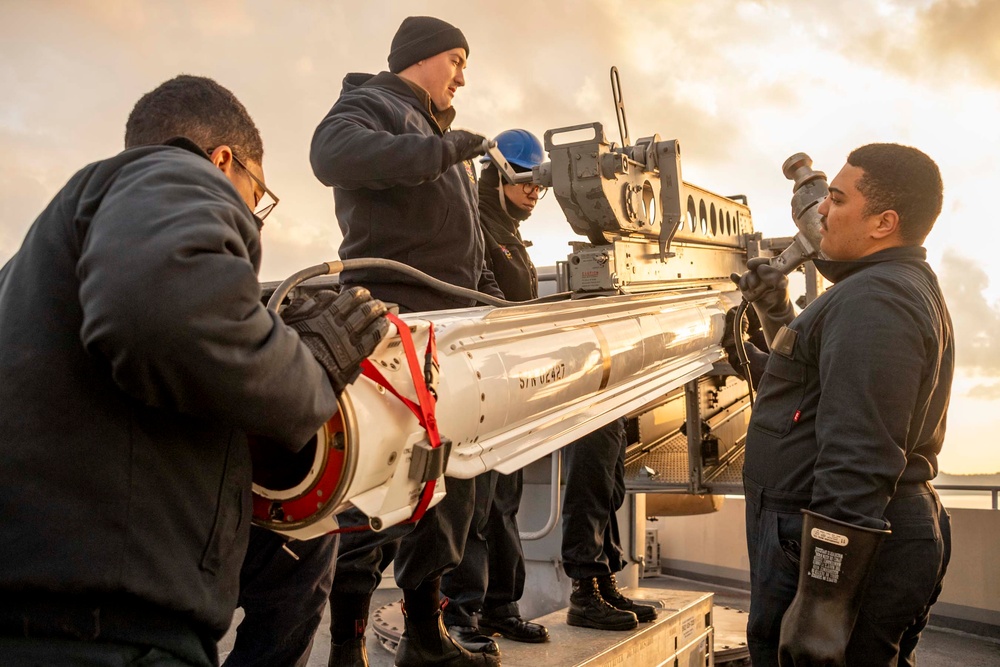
490	661
647	617
480	659
488	631
584	622
516	638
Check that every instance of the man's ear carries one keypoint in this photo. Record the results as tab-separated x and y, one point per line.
886	225
222	157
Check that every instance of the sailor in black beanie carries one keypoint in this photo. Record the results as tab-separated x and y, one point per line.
421	37
405	189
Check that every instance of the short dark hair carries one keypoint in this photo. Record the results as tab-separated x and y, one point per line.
902	179
198	108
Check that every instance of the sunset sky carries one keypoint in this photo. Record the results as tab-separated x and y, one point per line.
742	85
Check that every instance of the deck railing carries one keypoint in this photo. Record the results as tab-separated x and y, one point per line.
994	490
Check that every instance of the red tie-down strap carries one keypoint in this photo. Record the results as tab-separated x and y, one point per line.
423	409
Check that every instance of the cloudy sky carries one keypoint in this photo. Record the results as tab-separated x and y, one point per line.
743	84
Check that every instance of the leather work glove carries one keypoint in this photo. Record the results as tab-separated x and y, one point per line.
460	145
750	330
766	288
341	330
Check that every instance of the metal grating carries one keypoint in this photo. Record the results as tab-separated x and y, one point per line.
668	461
666	467
730	471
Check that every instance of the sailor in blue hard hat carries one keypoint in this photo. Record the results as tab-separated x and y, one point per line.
483	591
523	151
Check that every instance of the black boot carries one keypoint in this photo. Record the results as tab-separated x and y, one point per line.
426	643
348	620
587	609
608	586
473	639
352	653
513	627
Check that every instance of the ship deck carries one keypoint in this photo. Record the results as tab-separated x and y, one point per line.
939	647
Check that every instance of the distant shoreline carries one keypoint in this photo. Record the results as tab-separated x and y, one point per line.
975	478
956	498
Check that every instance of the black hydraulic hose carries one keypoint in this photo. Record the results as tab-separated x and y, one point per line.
335	267
289	283
741	349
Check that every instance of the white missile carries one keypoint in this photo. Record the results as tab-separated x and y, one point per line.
516	384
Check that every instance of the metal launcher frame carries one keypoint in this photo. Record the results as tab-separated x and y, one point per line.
650	231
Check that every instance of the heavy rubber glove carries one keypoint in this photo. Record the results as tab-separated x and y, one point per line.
750	327
341	330
766	288
460	145
837	558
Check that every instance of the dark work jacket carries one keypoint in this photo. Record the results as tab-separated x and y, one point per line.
856	402
134	355
383	152
506	255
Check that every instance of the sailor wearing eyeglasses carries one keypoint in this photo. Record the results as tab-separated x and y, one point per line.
502	209
484	589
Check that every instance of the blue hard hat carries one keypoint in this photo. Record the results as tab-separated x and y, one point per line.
520	147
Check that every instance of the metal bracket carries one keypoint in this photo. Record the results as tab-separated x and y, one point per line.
503	166
669	161
428	462
616	93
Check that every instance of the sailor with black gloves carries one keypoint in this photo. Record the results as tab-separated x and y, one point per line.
405	189
846	429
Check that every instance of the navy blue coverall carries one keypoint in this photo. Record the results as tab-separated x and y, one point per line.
381	148
848	422
595	490
490	578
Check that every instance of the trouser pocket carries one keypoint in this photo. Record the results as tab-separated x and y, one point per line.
774	570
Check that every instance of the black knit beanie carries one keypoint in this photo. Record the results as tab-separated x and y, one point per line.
421	37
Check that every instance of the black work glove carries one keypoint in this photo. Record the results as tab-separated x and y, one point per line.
762	282
756	356
460	145
767	289
341	330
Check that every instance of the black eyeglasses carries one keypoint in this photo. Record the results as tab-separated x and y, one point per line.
529	188
262	210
